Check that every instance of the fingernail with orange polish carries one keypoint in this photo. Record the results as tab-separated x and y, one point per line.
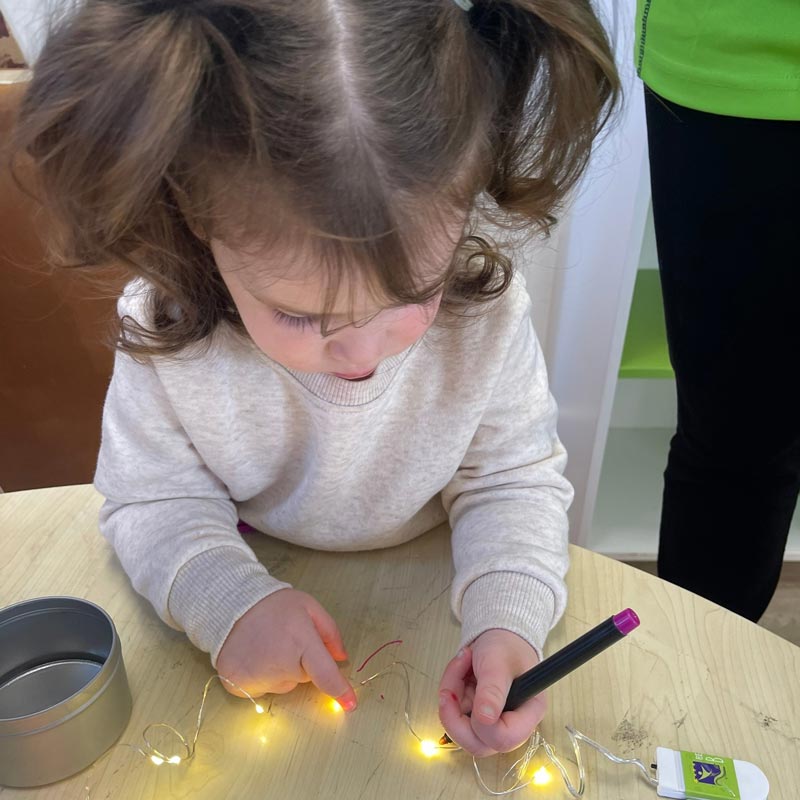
348	704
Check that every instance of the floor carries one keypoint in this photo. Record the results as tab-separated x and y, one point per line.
783	615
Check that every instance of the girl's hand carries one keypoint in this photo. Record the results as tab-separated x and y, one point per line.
477	680
285	639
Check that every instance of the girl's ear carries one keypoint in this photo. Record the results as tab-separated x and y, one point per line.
181	200
198	231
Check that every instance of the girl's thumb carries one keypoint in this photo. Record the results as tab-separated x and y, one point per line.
491	691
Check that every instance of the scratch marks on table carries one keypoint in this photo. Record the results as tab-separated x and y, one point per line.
678	723
639	646
294	712
765	721
431	602
371	776
575	618
630	736
770	723
357	742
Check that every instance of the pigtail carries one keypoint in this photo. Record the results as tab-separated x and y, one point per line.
109	106
557	88
111	109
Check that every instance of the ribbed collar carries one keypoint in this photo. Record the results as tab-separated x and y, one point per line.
327	387
341	392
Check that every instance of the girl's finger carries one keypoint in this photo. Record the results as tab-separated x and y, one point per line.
456	673
327	629
452	696
513	728
325	675
458	727
468	700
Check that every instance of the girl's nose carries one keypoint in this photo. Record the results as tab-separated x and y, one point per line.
356	348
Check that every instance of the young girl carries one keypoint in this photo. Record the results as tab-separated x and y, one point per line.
317	342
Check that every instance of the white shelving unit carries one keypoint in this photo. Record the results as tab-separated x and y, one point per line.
628	506
599	248
627	509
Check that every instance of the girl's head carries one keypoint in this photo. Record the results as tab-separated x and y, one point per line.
310	169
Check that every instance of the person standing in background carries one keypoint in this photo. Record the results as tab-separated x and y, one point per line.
722	99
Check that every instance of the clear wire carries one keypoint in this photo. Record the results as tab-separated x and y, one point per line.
151	752
407	705
537	742
517	771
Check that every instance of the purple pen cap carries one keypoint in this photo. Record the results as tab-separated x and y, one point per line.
626	621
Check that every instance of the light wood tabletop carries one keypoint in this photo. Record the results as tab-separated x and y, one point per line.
693	676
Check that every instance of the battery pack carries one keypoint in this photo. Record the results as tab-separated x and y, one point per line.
685	775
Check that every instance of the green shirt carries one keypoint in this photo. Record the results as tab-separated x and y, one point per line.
734	57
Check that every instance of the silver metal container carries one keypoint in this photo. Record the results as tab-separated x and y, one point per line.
64	696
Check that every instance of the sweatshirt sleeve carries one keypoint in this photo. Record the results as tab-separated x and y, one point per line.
508	503
168	517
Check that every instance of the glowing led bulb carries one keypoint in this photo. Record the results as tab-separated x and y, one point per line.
428	747
541	777
259	709
263	739
158	761
335	706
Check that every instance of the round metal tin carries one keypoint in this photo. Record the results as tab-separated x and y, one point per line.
64	696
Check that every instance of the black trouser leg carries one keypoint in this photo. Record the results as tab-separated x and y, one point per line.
725	203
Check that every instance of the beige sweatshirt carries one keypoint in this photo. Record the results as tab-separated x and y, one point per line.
460	426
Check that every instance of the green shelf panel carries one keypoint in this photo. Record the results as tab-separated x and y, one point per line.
645	352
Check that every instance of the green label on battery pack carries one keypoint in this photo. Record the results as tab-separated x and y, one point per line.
709	777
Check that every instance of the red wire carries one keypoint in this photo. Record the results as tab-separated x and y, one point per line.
366	660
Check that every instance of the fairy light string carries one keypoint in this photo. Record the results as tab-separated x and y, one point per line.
535	743
517	772
519	769
155	756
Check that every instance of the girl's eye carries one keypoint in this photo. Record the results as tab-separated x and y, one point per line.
298	323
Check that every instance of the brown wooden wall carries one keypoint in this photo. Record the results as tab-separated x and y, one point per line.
54	361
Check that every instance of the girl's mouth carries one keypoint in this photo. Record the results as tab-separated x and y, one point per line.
358	376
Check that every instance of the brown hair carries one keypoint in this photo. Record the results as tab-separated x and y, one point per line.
156	125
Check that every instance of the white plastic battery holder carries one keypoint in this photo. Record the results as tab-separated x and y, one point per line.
753	784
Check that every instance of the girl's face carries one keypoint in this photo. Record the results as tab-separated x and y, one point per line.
282	314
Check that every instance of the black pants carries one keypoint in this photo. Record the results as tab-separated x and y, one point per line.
727	222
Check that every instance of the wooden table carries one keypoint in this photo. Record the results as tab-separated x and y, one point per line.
692	677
